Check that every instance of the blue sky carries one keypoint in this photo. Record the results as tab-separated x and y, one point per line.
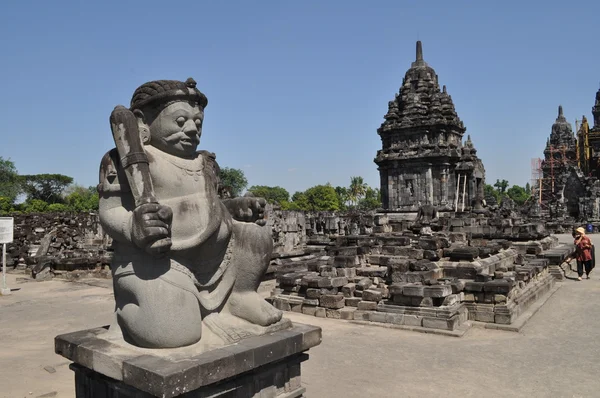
296	89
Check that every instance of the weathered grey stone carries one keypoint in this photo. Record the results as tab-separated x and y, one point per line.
313	293
380	317
331	301
320	312
162	221
347	313
421	301
367	306
309	310
412	320
402	300
437	291
451	299
339	281
372	271
372	295
364	284
348	289
413	290
352	301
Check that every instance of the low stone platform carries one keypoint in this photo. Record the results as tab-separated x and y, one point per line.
504	309
265	366
556	256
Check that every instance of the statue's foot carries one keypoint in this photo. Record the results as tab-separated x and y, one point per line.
253	308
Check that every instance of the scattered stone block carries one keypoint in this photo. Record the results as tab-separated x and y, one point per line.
361	315
346	261
467	253
367	306
321	312
413	290
413	320
296	308
451	299
332	301
380	317
309	310
334	314
347	272
348	290
437	291
313	302
347	313
364	284
352	301
402	300
421	302
396	319
372	271
313	293
372	295
499	286
339	281
473	286
500	298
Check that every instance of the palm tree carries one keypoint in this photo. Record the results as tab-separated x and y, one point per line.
357	189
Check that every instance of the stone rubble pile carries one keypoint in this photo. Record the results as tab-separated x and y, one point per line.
437	281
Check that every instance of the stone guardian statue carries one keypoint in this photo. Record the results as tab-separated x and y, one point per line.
186	263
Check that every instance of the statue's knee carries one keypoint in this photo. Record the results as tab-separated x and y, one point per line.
171	318
156	332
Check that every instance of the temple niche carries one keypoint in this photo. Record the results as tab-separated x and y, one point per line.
423	159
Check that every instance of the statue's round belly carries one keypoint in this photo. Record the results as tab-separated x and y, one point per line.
193	218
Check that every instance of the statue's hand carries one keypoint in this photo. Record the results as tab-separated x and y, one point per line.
248	209
151	228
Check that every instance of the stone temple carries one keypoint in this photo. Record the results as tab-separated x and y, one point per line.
423	159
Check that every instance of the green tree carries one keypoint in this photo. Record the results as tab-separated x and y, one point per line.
322	198
491	195
342	194
357	189
10	184
518	194
271	194
528	188
45	187
317	198
233	180
78	198
57	208
501	186
35	206
372	199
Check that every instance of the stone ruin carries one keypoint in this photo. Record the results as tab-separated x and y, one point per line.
568	189
59	244
465	272
436	258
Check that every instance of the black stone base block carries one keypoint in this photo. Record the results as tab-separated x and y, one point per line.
257	367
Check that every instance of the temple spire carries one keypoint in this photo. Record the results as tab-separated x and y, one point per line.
560	111
419	61
419	51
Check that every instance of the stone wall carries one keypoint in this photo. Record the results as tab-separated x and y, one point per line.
66	240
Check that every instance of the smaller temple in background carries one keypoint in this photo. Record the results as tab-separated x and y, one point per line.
589	142
568	182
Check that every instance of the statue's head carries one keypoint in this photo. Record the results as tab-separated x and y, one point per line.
170	115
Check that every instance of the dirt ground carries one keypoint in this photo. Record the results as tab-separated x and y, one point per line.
554	355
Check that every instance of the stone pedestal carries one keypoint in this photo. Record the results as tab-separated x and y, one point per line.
263	366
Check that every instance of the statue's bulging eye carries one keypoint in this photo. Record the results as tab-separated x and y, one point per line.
198	122
180	121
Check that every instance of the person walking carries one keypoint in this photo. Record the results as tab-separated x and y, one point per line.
583	253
